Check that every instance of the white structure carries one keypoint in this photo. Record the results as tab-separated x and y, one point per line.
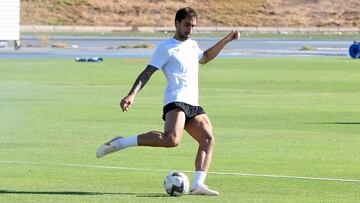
10	21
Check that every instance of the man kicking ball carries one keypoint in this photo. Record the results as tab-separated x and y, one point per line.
179	58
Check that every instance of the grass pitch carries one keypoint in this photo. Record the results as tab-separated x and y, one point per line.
283	117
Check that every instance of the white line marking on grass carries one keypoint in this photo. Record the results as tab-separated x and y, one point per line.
167	170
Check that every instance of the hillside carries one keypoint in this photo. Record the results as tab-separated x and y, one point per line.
321	13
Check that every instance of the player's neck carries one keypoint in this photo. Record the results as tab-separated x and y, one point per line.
178	38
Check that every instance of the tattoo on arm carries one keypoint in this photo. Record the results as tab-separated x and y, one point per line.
142	79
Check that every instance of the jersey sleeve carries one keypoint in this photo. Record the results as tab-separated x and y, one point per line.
159	57
199	52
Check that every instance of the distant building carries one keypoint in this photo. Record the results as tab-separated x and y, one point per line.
10	21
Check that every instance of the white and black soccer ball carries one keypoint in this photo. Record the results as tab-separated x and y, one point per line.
176	184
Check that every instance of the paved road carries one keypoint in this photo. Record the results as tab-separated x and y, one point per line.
99	46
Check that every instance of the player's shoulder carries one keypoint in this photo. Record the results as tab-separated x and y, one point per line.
165	43
168	44
170	40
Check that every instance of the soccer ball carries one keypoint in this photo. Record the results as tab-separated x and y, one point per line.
176	184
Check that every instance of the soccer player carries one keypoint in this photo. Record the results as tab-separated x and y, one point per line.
178	58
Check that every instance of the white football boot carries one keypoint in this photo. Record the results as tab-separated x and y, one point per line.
203	190
108	147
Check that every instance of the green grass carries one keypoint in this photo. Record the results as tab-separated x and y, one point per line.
291	116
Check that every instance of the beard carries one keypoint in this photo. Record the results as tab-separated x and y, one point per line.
188	34
185	36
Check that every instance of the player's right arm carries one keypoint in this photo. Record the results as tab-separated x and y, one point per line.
212	52
139	83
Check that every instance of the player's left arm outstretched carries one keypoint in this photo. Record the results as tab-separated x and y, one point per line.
212	52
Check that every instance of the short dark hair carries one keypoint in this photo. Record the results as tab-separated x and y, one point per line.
184	12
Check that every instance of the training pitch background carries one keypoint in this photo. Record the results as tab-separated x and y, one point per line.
287	130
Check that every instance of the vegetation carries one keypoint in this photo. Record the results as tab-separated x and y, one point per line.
211	12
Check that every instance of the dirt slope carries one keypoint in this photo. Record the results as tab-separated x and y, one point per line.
211	12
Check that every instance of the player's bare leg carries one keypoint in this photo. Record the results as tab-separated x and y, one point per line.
173	131
201	130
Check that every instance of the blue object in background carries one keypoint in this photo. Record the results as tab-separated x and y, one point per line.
87	59
354	50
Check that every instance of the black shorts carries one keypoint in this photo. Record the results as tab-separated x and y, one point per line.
189	110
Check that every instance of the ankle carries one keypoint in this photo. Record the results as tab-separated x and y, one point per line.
126	142
199	179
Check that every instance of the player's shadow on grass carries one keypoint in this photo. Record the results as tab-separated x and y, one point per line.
81	193
335	123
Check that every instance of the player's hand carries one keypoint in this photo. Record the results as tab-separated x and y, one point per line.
126	102
233	35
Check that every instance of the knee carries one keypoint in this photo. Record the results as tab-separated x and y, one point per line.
172	140
209	141
173	143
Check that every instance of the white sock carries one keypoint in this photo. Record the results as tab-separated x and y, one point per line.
126	142
199	179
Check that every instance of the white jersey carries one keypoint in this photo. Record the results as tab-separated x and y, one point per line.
179	60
